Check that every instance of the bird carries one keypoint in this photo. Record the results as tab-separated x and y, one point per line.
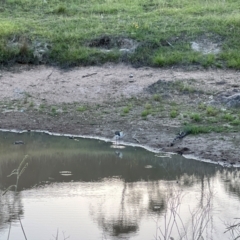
119	154
118	135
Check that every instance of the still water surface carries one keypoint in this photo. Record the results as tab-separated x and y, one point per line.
89	189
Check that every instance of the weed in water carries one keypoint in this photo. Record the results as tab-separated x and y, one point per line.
18	172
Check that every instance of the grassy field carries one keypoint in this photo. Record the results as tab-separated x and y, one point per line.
86	32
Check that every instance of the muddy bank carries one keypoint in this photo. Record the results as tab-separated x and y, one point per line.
100	100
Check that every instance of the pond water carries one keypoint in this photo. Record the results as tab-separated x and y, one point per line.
90	189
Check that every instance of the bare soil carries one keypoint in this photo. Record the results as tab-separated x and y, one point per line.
90	101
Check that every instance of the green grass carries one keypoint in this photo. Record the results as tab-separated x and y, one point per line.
72	31
173	113
157	98
53	111
228	117
82	108
197	129
145	113
196	117
125	110
211	111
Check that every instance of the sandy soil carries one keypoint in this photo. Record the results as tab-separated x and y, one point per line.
102	89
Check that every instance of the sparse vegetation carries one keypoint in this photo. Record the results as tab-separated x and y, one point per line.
228	117
53	110
82	108
31	104
173	113
126	110
157	97
196	117
197	129
211	111
145	113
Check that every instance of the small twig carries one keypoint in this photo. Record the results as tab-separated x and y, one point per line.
179	136
169	44
134	138
88	75
22	227
49	75
9	229
64	238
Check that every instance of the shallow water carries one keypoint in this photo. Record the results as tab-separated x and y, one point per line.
90	189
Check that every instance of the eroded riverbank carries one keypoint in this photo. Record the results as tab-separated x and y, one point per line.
150	105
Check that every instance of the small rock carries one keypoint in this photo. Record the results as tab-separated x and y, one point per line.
18	142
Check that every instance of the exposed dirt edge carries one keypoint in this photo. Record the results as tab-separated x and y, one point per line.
102	89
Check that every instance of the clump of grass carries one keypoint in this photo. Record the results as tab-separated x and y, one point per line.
212	120
145	113
126	110
211	111
41	106
183	87
228	117
235	122
173	104
65	108
173	113
196	117
157	97
197	129
82	108
60	10
25	101
31	104
148	106
202	106
18	173
54	110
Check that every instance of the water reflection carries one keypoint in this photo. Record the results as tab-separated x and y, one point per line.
108	190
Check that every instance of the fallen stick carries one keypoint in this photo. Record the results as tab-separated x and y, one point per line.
135	139
49	75
88	75
179	136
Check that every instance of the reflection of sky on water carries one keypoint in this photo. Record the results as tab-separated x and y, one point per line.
85	189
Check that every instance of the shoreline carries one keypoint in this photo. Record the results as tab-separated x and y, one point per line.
119	97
